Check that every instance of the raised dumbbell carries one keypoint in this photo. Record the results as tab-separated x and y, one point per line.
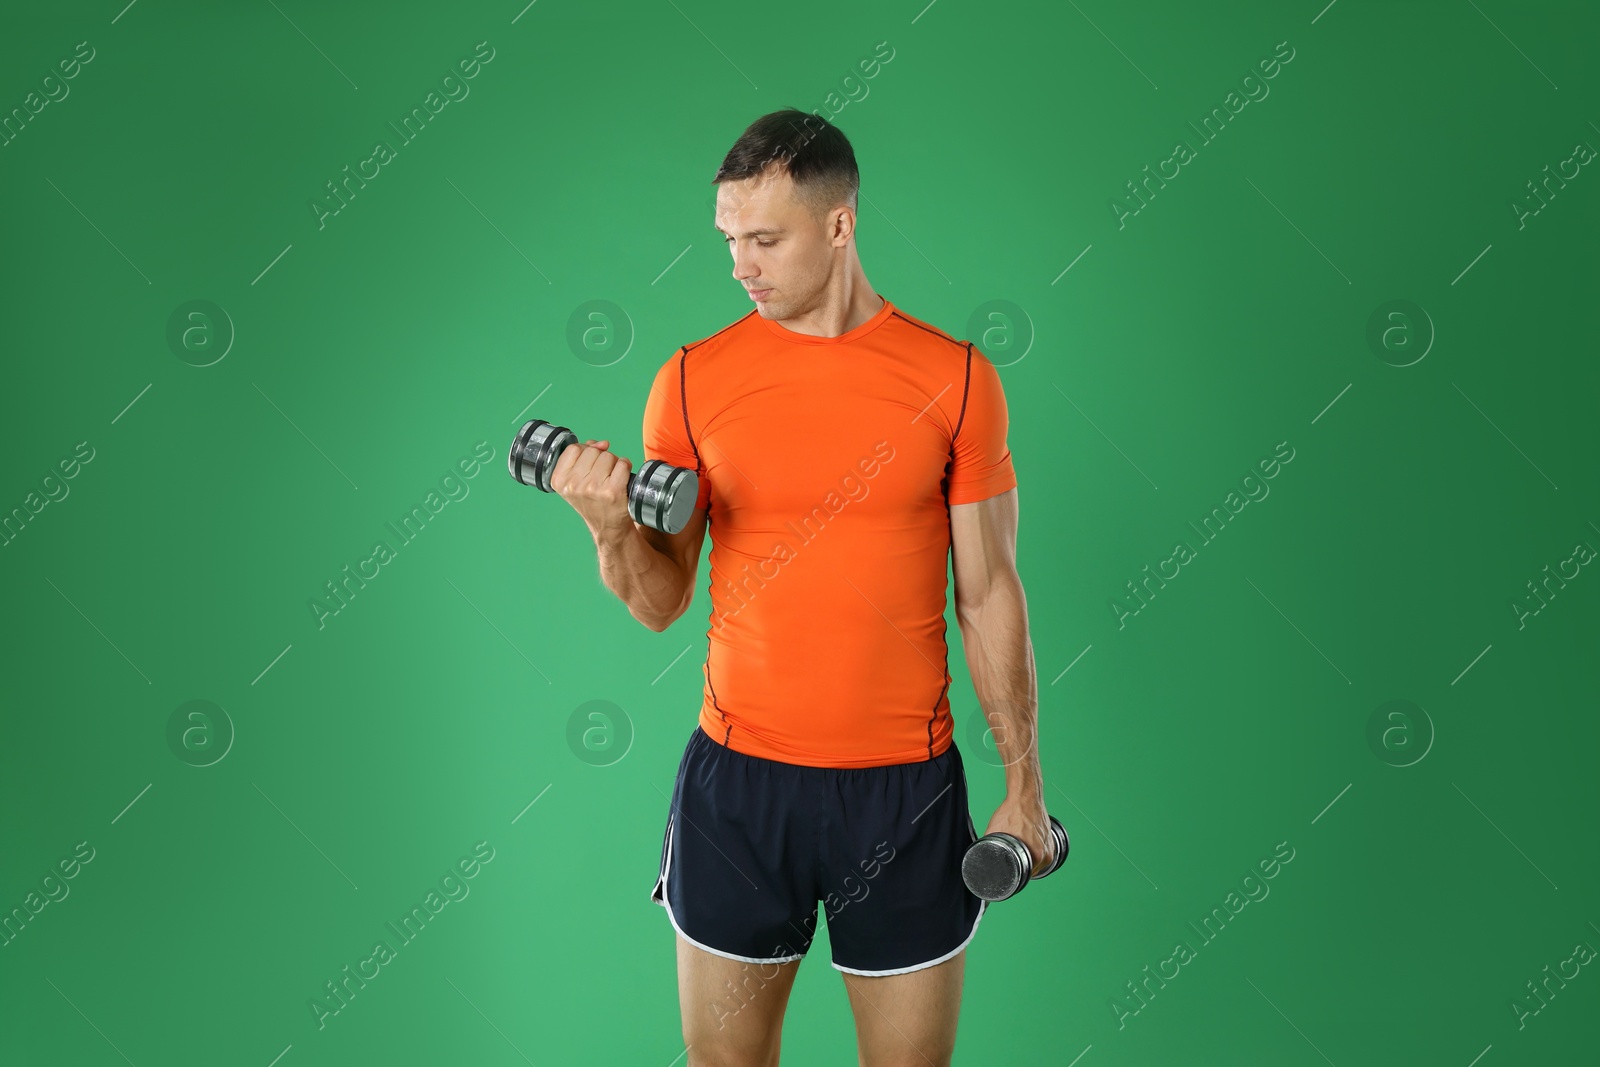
998	865
660	495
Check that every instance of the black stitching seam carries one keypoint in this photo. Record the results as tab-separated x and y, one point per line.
683	395
720	332
700	466
937	333
944	627
965	388
683	405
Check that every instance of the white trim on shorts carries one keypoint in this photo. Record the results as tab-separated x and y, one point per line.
661	886
982	907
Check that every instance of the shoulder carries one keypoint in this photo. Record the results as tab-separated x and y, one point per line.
975	378
937	348
696	351
962	359
692	356
919	332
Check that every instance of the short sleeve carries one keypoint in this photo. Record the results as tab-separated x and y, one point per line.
666	436
982	466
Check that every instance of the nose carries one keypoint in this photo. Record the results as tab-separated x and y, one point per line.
743	265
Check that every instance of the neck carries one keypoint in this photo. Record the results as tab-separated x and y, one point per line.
846	303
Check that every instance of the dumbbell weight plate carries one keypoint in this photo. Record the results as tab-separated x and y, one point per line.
998	865
662	496
534	452
1059	832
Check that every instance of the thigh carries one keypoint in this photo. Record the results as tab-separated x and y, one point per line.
737	880
732	1010
907	1019
738	861
890	866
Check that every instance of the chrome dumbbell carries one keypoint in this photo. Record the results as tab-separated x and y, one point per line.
660	495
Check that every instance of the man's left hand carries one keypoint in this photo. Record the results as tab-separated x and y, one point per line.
1026	819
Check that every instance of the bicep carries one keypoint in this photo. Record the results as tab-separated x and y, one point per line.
683	547
983	542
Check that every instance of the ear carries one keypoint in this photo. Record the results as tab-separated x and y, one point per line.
844	225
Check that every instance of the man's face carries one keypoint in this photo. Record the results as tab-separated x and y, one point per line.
781	252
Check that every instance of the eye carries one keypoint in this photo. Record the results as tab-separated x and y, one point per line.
763	244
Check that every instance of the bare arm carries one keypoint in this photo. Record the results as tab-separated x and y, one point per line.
651	572
993	614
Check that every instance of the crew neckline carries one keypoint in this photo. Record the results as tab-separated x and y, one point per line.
856	334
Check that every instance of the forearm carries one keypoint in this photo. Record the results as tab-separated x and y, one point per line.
648	581
999	652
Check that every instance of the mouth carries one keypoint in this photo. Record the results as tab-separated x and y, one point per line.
758	294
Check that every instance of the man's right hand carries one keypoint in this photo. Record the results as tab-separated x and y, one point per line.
595	483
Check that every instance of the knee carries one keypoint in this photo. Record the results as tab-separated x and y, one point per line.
715	1052
716	1043
723	1036
928	1054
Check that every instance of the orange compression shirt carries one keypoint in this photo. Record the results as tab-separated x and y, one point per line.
827	465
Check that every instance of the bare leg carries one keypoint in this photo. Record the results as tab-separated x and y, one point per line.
908	1020
732	1011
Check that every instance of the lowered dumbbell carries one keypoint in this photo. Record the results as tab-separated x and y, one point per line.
660	495
998	865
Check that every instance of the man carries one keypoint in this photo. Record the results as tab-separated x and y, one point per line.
844	451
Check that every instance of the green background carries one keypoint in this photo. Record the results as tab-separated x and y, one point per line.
369	355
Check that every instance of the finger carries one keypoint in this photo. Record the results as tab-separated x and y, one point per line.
584	469
589	467
562	471
1040	853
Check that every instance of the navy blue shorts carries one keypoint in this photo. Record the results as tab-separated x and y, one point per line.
753	845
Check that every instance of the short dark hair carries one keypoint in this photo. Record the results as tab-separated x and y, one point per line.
815	153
